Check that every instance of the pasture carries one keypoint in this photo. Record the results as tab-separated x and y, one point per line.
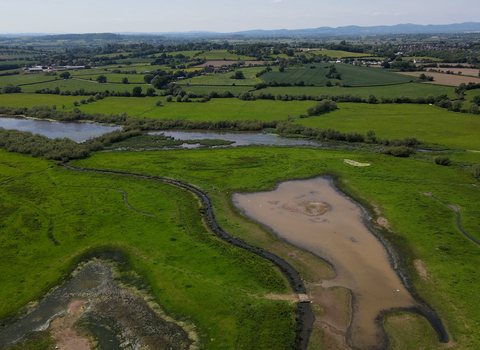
428	123
194	276
351	75
411	90
393	185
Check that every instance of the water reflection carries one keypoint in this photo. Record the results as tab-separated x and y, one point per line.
77	132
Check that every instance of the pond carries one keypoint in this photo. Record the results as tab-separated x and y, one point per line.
314	216
239	138
77	132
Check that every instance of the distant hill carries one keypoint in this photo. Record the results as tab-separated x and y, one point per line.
357	30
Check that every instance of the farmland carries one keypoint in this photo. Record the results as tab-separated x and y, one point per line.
354	76
52	216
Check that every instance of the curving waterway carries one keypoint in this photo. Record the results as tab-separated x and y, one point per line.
314	216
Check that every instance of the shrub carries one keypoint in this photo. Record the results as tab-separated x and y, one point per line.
321	107
398	151
476	170
75	103
168	98
158	103
442	160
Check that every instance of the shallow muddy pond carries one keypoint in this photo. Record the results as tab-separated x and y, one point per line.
93	308
75	131
314	216
239	138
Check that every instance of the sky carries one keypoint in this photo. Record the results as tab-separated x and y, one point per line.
157	16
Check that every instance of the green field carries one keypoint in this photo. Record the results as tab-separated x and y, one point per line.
351	75
427	123
75	84
216	55
224	79
394	185
21	79
192	274
411	90
340	54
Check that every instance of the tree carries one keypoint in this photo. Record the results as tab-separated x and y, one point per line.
102	79
148	78
65	75
150	92
158	103
137	91
281	69
125	80
238	75
168	98
159	82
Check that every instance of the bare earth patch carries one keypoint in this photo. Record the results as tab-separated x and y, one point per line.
444	79
422	272
307	208
465	71
66	335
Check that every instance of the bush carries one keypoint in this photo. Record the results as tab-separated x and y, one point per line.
321	107
398	151
75	103
168	98
476	170
158	103
442	160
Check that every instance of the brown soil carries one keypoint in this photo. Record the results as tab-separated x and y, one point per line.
67	336
422	272
444	79
307	208
465	71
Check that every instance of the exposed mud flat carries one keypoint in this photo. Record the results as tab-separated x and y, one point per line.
92	309
339	235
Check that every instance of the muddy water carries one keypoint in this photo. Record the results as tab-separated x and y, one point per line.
314	216
93	305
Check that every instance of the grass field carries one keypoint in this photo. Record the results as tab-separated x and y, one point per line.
411	90
76	84
223	54
340	54
424	229
192	274
351	75
205	89
215	109
224	79
21	79
427	123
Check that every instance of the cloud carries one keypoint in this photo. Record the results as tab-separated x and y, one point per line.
275	1
386	14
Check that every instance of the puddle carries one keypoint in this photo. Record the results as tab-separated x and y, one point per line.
77	132
92	306
314	216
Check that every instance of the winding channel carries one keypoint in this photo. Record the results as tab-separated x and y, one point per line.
305	314
457	212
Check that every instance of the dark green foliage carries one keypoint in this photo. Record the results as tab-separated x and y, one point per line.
398	151
476	170
102	79
321	107
11	89
137	91
442	160
238	75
